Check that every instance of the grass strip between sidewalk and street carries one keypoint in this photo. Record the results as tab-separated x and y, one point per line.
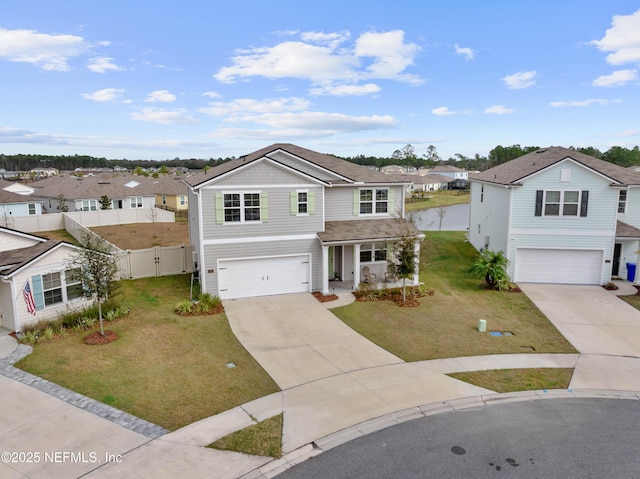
511	380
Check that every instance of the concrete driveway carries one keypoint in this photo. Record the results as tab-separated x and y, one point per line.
602	327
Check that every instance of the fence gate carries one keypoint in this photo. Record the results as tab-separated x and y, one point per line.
156	261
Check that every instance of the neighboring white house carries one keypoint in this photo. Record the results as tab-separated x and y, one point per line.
13	205
36	281
450	171
285	219
559	216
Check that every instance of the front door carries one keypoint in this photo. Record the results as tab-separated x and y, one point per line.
615	269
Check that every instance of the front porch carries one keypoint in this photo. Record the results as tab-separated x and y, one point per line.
626	250
356	251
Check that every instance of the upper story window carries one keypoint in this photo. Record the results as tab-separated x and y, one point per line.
164	199
303	202
622	201
374	200
481	193
563	203
135	201
241	207
89	205
32	208
183	200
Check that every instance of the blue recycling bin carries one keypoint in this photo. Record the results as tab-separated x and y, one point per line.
631	271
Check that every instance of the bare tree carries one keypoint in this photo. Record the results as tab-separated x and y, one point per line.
441	211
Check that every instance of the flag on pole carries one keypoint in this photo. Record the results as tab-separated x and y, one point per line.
28	298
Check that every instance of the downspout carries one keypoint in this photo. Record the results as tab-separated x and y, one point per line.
201	265
14	309
508	238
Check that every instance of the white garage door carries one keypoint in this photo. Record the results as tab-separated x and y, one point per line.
246	277
560	266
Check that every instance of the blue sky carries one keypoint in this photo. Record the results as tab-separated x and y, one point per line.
200	79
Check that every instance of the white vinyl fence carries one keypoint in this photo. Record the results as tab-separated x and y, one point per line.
133	264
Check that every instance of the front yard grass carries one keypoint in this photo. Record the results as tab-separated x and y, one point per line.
167	369
511	380
445	325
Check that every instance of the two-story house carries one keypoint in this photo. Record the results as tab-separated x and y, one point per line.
559	216
286	219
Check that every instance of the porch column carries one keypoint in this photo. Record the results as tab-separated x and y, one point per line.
356	266
416	275
325	269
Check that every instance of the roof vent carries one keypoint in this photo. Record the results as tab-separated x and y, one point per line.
541	151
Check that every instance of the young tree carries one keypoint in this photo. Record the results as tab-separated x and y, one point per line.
105	202
404	259
98	271
62	204
492	267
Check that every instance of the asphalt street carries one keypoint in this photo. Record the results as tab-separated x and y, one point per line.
568	438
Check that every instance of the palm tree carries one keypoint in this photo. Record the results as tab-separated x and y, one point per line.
492	267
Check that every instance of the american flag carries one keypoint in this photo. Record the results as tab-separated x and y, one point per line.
28	298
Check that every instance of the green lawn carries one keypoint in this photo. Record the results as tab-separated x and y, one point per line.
167	369
511	380
438	198
445	324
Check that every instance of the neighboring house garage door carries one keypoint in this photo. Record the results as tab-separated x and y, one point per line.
246	277
558	266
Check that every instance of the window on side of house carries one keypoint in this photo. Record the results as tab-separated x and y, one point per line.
622	201
241	207
183	200
89	205
51	288
135	202
164	200
303	202
374	201
73	283
32	208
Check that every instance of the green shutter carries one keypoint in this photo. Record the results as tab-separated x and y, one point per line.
264	207
219	208
356	202
36	290
311	203
390	208
294	203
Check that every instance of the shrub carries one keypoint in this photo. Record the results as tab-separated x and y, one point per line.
48	333
184	307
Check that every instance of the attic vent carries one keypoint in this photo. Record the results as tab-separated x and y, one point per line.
103	183
541	151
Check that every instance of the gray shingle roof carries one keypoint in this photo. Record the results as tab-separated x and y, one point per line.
511	172
13	260
623	230
367	230
113	185
352	171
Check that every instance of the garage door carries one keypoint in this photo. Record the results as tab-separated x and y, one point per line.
246	277
558	266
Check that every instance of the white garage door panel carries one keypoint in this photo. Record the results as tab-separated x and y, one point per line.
242	278
558	266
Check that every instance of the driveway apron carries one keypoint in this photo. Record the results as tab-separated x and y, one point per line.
297	340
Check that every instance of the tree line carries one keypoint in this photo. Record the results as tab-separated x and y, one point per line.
405	156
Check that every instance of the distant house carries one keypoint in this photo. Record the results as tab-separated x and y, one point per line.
425	183
36	280
171	192
451	171
44	172
559	216
13	205
124	191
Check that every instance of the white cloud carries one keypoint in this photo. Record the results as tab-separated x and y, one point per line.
212	94
103	65
324	59
499	110
345	90
617	78
468	53
627	133
622	39
321	121
244	106
160	96
18	135
520	80
49	52
444	111
166	117
106	94
582	103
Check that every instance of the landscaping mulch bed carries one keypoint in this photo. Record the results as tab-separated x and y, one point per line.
216	310
323	298
96	338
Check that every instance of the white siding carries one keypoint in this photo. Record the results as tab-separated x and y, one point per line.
339	203
10	241
632	213
489	216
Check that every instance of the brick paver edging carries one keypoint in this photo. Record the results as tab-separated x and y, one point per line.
90	405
